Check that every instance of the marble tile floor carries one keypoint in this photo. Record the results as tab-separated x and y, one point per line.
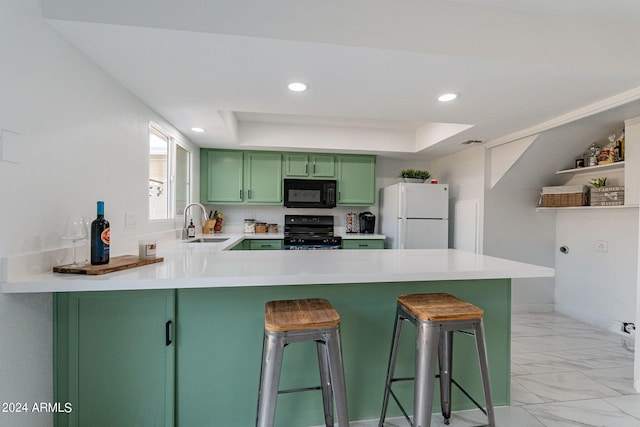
564	373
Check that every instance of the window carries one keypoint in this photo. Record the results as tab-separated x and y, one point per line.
169	175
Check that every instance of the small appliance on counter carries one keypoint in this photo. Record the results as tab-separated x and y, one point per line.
352	223
367	222
310	232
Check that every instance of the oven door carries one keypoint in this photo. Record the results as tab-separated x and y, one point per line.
309	193
311	243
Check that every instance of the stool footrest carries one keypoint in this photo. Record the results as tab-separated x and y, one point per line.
296	390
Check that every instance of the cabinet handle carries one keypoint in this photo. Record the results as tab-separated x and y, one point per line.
314	168
240	194
248	194
306	168
167	333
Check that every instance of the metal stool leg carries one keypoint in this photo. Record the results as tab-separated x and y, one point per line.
427	338
325	382
397	330
484	371
336	369
273	349
446	364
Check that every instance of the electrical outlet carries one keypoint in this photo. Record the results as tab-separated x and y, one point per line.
601	246
130	220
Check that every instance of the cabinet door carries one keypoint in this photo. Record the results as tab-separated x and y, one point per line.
362	244
296	165
115	358
263	177
356	180
323	165
265	245
221	176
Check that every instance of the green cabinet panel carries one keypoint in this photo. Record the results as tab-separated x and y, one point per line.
302	165
356	180
221	176
221	341
113	362
296	165
236	177
264	244
241	246
362	243
263	177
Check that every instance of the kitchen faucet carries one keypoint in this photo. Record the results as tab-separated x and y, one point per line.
204	218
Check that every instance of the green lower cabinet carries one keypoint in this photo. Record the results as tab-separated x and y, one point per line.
220	345
263	244
362	244
258	245
115	358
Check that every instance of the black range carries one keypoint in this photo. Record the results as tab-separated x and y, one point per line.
310	232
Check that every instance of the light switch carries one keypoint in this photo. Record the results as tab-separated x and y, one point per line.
601	246
130	220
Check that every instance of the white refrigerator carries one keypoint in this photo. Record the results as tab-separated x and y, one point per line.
415	216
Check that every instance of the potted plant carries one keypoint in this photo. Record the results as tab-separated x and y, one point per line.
414	175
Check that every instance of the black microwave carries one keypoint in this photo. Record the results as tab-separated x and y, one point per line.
310	193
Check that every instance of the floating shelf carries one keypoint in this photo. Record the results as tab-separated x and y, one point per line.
587	169
541	209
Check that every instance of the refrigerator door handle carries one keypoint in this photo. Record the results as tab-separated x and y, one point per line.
402	233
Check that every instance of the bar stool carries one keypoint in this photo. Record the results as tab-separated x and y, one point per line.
292	321
436	316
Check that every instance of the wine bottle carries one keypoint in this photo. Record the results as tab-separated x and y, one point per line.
100	238
191	231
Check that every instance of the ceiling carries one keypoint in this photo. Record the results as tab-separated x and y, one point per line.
373	68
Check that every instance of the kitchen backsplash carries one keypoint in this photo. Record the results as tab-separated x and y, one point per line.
234	215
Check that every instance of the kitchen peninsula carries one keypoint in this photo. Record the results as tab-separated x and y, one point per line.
204	349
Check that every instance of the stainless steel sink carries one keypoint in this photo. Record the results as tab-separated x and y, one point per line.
209	240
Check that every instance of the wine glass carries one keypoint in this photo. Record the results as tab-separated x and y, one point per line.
76	231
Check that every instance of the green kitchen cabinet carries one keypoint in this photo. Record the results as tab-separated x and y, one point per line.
237	177
356	180
221	176
263	177
264	244
303	165
114	357
243	245
362	243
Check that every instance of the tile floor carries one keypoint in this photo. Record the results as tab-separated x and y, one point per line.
564	373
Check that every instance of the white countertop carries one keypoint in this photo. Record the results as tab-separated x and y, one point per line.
208	265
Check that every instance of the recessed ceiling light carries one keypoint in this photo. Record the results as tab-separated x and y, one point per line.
447	97
199	130
297	87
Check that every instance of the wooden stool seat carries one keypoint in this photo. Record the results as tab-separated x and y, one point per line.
439	307
300	314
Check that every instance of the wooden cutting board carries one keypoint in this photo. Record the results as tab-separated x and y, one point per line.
116	263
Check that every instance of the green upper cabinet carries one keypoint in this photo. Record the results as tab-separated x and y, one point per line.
233	176
221	176
302	165
356	180
255	177
263	177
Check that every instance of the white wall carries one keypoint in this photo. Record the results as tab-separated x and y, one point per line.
595	287
464	172
81	137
